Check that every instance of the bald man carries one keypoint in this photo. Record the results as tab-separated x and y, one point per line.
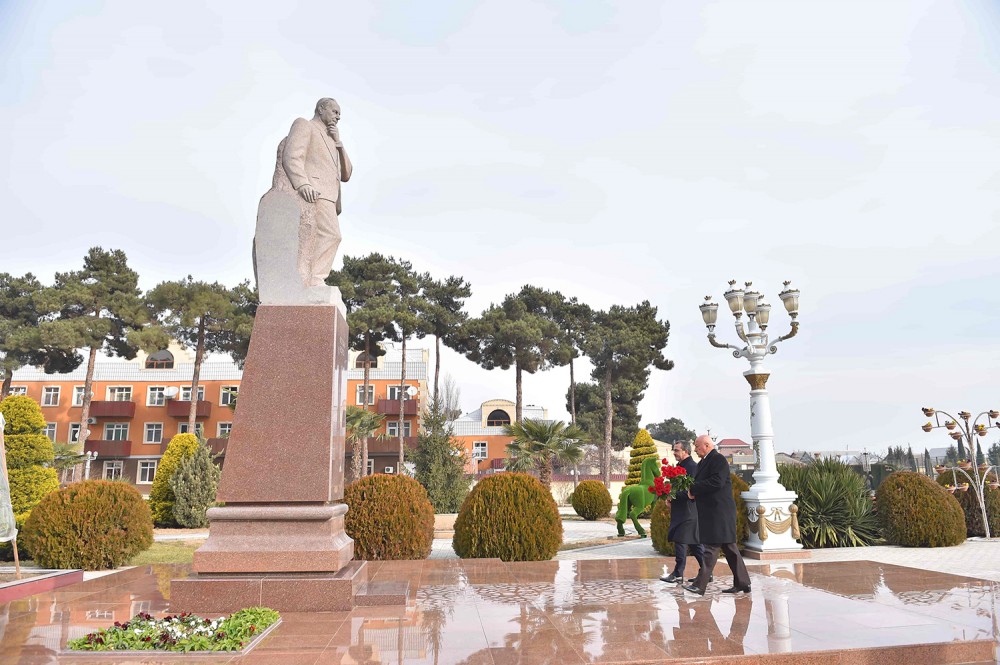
712	493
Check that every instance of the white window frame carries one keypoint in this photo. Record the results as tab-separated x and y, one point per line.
392	428
115	427
78	395
185	394
18	390
359	389
145	465
46	393
371	466
156	390
485	450
228	395
74	432
112	399
113	469
54	428
393	392
199	429
222	434
145	432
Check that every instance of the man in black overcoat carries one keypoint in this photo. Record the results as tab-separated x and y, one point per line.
684	520
712	492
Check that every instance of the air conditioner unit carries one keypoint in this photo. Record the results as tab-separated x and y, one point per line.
92	420
390	469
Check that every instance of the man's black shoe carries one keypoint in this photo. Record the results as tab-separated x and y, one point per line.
711	578
690	588
735	590
672	578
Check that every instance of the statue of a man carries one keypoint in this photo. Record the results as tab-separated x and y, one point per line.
298	229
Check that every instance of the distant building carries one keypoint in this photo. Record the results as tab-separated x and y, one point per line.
481	432
738	452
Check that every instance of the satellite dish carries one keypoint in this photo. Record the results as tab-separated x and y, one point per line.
411	391
171	392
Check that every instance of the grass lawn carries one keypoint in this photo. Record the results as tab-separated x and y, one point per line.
174	551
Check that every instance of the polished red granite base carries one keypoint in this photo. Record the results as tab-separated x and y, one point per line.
485	612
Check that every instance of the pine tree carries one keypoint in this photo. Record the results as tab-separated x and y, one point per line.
643	448
440	463
194	482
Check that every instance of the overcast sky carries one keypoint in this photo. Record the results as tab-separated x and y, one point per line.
618	152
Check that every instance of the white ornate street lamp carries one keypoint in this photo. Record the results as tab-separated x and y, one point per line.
770	507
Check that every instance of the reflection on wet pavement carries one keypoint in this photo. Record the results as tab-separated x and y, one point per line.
587	611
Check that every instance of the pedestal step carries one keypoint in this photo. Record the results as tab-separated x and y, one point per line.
382	593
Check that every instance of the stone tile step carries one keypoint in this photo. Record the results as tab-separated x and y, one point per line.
372	594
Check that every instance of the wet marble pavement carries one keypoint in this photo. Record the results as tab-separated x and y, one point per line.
486	612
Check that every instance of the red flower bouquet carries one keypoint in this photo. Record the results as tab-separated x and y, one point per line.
672	481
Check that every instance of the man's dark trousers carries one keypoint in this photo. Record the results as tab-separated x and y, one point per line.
681	555
741	578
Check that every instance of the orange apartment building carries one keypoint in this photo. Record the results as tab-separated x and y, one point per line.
137	407
481	432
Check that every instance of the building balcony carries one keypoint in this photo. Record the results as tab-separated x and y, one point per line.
182	408
105	409
391	407
105	448
216	445
388	445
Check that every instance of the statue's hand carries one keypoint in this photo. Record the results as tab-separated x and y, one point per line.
308	193
334	134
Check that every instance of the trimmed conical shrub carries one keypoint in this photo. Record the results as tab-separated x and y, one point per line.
643	447
161	495
915	511
389	517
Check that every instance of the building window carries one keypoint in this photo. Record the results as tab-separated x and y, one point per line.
50	431
392	428
497	418
103	615
147	469
359	397
394	392
371	466
113	469
154	433
479	450
74	432
116	432
363	360
199	429
186	393
120	394
78	395
18	390
224	430
50	396
160	360
156	396
227	395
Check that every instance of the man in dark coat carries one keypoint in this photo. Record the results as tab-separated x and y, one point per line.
683	520
712	492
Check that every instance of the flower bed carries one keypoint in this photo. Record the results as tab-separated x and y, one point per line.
183	632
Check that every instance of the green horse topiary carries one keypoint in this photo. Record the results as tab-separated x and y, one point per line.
634	499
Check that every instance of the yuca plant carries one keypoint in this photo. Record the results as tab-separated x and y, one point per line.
835	509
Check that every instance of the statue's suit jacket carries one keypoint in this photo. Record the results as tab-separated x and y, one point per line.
310	157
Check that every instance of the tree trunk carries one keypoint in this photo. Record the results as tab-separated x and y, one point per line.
517	404
356	459
199	356
88	387
8	378
606	447
572	394
437	365
545	472
364	401
402	406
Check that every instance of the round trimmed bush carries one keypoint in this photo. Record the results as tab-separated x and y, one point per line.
969	501
659	523
591	500
161	494
915	511
508	516
390	518
93	524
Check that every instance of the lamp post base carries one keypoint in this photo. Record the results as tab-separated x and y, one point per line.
774	524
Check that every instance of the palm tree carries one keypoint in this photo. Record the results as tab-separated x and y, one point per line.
539	443
361	425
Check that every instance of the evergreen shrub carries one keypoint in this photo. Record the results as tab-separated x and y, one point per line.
659	523
390	517
969	501
93	525
194	483
643	447
161	495
835	507
28	450
508	516
591	500
440	463
914	511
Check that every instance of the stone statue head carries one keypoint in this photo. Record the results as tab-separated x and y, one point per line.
328	110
